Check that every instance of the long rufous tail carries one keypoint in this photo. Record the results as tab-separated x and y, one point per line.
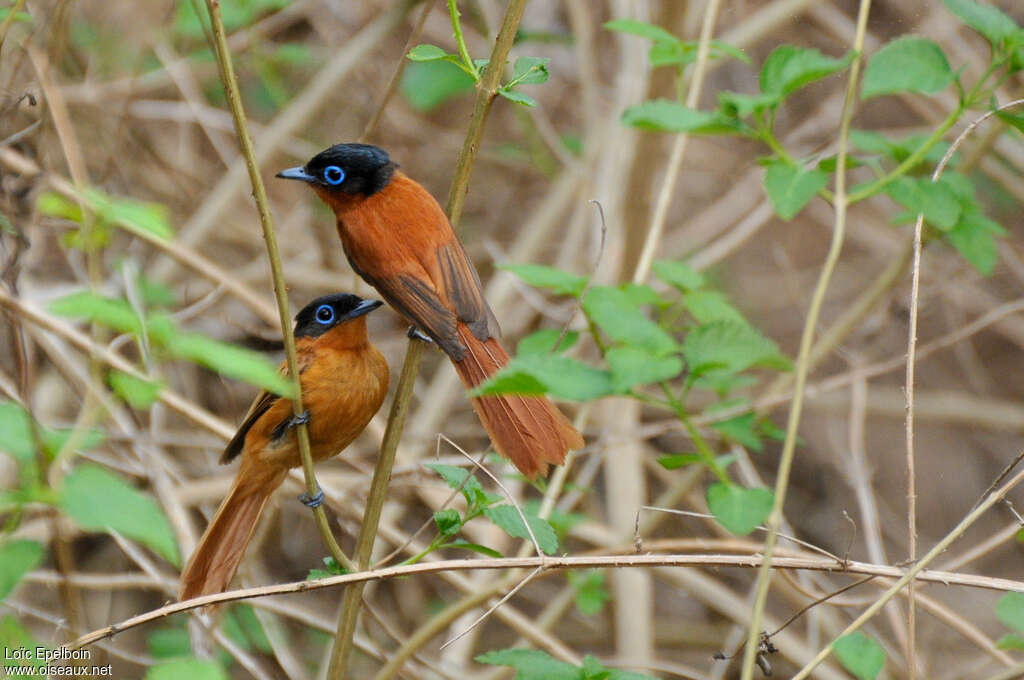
220	550
530	431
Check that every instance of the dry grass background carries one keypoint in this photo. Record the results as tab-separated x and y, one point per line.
151	125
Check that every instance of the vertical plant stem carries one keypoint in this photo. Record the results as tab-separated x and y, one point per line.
453	11
227	74
486	91
750	650
9	19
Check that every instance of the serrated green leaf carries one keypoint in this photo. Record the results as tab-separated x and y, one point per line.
559	376
640	28
974	238
508	520
738	509
99	500
790	188
790	67
549	278
860	654
428	85
454	476
589	590
669	116
427	53
1010	610
473	547
631	366
530	71
138	393
544	340
730	347
937	200
517	97
711	305
531	664
907	64
614	312
448	521
678	275
187	669
741	429
987	20
17	558
738	105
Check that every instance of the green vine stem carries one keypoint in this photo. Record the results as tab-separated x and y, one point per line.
230	82
471	67
486	92
803	360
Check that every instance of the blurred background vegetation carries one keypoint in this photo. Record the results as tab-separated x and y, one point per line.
124	202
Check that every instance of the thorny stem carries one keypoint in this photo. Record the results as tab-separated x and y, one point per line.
486	91
803	360
227	73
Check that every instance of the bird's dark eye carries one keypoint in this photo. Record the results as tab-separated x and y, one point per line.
325	314
334	175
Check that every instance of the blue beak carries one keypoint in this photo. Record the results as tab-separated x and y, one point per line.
298	173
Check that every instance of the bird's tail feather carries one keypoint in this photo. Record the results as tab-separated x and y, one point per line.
220	550
530	431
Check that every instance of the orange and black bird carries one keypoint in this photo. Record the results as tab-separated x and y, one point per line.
398	239
344	379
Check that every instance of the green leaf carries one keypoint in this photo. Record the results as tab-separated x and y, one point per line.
531	664
1010	610
670	116
230	360
138	393
730	347
937	200
559	376
789	68
508	519
734	104
113	313
631	366
54	205
642	294
987	20
99	500
616	314
589	590
427	53
640	28
454	476
973	237
542	276
543	342
860	654
738	509
907	64
241	625
790	188
1011	641
187	669
17	558
474	547
678	460
168	643
711	305
427	85
14	636
741	429
139	217
517	97
530	71
672	53
448	521
678	275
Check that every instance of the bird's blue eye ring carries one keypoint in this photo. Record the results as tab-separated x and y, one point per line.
334	175
325	314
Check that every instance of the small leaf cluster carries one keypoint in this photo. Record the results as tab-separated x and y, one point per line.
480	503
899	167
656	348
534	664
